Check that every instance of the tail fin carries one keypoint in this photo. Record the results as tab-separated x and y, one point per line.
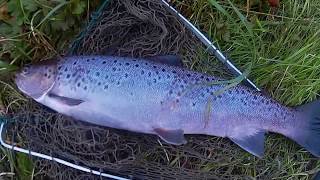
308	135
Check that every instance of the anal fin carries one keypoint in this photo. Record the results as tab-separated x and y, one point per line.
175	137
254	144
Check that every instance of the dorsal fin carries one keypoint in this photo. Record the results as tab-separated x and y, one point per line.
167	59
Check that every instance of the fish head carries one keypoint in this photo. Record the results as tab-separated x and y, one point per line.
36	80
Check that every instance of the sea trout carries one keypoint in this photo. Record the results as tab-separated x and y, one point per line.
158	96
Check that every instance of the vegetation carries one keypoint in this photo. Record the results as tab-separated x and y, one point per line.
31	30
279	41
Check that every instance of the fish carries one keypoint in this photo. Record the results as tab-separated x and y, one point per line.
161	97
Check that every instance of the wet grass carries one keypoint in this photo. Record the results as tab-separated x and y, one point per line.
280	44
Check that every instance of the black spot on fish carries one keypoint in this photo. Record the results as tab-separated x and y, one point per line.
97	73
157	72
163	70
181	86
161	102
154	80
155	67
120	64
105	87
131	94
177	100
170	92
68	76
88	60
126	75
201	77
104	62
188	75
49	76
93	59
118	82
85	88
193	104
207	79
58	78
88	71
137	65
45	74
66	69
255	97
142	72
59	68
127	64
134	60
168	76
174	72
50	70
99	83
146	63
115	61
74	63
114	69
78	84
149	74
74	74
106	77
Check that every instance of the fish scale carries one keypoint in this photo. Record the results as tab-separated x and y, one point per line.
156	97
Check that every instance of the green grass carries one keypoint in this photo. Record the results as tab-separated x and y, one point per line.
283	48
280	45
32	30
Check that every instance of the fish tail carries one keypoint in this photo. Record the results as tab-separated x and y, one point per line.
308	135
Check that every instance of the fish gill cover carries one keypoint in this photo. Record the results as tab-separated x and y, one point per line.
134	28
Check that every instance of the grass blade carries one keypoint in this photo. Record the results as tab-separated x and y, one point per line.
52	11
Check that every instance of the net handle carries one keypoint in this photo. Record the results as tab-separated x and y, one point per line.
50	158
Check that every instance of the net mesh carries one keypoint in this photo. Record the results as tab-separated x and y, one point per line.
135	28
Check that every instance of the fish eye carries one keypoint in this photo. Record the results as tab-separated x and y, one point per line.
26	69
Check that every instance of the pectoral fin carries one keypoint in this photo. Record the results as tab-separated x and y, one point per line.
66	100
253	143
175	137
168	59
